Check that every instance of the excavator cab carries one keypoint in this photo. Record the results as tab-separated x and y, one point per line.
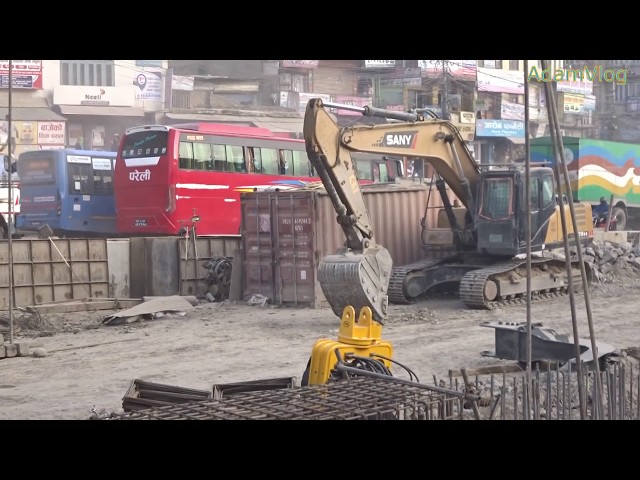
502	197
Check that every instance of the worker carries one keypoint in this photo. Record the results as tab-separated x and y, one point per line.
602	208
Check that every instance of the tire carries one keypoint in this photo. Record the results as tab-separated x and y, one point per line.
620	215
4	231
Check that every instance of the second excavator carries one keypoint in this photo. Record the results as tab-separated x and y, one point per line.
485	238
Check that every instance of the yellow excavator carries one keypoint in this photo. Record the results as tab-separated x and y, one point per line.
487	234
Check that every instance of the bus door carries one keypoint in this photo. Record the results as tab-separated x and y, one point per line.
103	202
76	200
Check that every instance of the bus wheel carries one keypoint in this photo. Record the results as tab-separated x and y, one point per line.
620	214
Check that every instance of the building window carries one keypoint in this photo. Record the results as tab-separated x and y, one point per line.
80	72
180	99
513	64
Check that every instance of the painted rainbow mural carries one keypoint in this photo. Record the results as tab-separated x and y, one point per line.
597	168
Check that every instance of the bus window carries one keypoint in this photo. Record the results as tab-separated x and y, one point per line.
80	178
254	159
202	156
102	176
219	158
143	144
235	159
286	162
270	161
186	155
300	164
36	171
384	172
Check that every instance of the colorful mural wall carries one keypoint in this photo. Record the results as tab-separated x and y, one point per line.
597	168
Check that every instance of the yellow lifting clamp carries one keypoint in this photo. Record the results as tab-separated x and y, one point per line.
362	338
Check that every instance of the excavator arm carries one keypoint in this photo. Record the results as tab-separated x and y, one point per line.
357	275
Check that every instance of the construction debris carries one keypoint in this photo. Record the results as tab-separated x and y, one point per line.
154	308
610	261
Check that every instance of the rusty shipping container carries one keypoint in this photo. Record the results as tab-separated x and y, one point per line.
286	234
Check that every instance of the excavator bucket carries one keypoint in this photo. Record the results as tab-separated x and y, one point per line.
357	279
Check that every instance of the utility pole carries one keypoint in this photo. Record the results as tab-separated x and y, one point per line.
10	202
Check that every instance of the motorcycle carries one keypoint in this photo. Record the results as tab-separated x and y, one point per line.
600	221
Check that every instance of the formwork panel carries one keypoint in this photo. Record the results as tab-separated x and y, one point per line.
97	249
54	270
80	272
42	274
99	272
23	295
41	251
61	273
42	294
65	292
22	274
21	252
60	250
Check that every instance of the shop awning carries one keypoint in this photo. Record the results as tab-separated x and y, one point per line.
104	110
41	114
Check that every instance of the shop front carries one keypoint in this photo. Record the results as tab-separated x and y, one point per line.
34	126
96	114
502	140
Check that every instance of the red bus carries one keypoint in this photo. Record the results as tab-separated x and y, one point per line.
171	177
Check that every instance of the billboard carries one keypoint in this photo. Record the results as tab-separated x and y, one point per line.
25	74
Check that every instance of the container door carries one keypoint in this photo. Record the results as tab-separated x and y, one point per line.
294	224
257	243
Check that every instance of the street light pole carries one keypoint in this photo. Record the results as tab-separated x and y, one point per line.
10	201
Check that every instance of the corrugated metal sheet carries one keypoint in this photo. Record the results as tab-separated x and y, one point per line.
286	234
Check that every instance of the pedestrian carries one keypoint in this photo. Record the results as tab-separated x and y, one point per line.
115	144
78	145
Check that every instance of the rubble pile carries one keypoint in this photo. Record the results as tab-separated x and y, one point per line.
613	261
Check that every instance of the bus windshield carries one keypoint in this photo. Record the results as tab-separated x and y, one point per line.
37	171
143	144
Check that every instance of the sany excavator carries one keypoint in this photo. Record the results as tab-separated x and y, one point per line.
487	234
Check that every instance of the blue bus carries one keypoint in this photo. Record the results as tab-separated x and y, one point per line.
67	193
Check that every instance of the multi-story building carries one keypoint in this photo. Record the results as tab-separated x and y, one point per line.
64	103
616	88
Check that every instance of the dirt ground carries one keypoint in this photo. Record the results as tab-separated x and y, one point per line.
90	364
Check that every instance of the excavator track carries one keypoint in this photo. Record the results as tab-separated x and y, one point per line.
429	278
398	276
477	285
